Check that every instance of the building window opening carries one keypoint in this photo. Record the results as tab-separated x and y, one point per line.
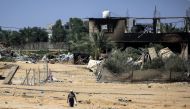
107	28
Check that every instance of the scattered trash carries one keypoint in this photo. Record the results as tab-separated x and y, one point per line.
60	58
124	100
44	58
149	86
65	57
25	59
84	101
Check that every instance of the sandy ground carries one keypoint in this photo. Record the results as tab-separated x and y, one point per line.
90	94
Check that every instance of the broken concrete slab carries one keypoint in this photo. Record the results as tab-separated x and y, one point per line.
152	53
165	53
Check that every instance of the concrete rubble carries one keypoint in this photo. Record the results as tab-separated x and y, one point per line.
93	65
165	53
152	53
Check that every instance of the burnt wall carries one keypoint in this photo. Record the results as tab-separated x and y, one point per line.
118	25
151	37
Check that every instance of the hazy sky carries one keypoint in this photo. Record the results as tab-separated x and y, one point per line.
23	13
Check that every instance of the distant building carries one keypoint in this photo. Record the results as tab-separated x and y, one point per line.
127	32
49	31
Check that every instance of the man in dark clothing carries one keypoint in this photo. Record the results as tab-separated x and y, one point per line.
71	98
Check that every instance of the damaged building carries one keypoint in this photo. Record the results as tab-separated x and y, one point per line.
127	31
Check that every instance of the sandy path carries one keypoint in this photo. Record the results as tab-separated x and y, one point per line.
91	95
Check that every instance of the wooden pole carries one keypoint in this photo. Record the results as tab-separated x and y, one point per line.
47	69
170	75
132	74
27	81
34	75
39	74
26	77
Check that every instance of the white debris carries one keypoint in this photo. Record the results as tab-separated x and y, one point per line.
65	57
44	58
165	53
93	65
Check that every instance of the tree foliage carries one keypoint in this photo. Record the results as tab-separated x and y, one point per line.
58	32
169	28
77	36
99	43
34	34
23	36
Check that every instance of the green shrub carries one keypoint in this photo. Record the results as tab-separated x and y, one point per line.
132	52
175	64
157	47
41	52
7	59
154	64
117	63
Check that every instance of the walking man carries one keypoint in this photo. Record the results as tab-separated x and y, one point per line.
71	99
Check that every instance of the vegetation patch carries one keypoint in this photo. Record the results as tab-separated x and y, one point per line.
7	59
175	64
154	64
117	62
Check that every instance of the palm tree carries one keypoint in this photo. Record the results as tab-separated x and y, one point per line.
169	28
79	42
99	43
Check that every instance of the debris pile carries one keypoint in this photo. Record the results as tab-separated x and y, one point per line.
65	57
60	58
127	65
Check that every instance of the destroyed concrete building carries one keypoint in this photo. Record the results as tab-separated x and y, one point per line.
126	31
